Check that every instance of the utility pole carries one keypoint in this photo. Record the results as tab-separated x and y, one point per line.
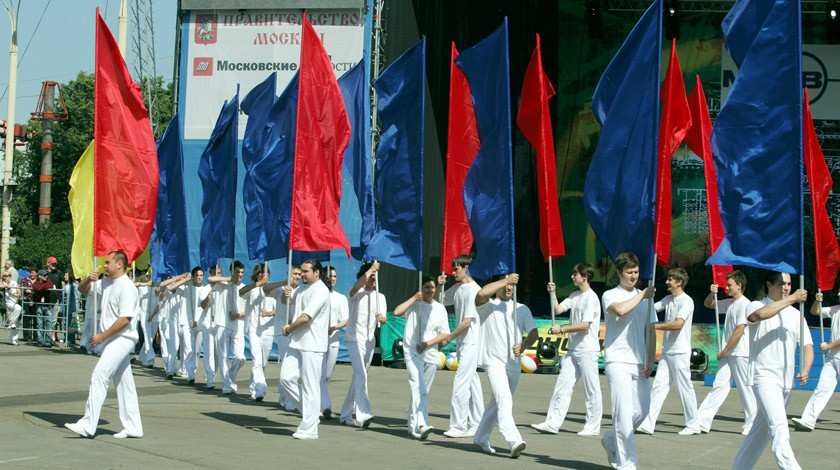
46	178
10	135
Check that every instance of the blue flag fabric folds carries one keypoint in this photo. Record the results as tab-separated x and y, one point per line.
398	239
619	191
169	249
217	170
357	155
488	187
256	104
758	135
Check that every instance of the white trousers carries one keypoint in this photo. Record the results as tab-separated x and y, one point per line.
88	328
230	344
303	368
673	368
187	352
207	340
730	367
260	350
114	364
327	370
361	354
169	345
573	367
825	387
13	311
467	404
421	375
771	426
147	351
503	381
630	396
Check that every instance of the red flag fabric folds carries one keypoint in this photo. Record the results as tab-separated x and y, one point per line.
321	135
125	156
674	124
699	141
819	179
534	121
461	148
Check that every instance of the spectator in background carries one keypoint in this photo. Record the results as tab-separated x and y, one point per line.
70	305
28	309
10	267
57	279
43	308
11	295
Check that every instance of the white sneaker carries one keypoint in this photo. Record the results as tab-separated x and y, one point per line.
124	435
588	433
305	437
425	431
455	433
644	430
544	428
745	432
612	458
800	425
485	447
471	432
689	432
517	449
78	429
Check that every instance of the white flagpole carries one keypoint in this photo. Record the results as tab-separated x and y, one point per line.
822	330
650	335
552	295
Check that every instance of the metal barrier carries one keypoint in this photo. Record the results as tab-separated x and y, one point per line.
52	322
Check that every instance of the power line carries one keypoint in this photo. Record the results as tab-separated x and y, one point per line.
22	56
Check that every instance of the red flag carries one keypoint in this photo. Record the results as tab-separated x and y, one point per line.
461	148
699	141
125	157
535	123
321	135
819	180
673	126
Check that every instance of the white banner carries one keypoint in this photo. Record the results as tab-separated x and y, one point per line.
820	69
226	48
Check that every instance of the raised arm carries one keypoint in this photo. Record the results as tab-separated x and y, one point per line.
770	310
360	282
489	290
620	309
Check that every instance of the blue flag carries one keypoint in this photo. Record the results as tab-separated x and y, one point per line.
758	134
488	187
217	170
357	155
256	104
170	249
400	89
619	192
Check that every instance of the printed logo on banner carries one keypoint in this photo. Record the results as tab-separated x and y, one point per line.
206	29
203	66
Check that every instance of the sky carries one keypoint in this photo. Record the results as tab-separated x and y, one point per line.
62	44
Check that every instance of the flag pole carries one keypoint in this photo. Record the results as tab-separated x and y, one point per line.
376	293
440	289
650	336
822	330
288	283
717	324
552	295
802	324
95	302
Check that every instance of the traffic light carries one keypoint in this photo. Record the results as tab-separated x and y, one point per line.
3	128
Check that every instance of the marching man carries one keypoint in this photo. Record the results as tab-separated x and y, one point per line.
339	312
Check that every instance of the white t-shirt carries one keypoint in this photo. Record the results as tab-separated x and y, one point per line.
148	300
432	322
191	297
362	321
339	311
203	316
462	295
681	306
773	346
834	314
625	336
314	301
219	303
736	315
584	307
9	294
281	317
500	331
169	304
119	299
255	302
235	304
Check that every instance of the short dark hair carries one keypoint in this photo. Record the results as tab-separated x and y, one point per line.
195	270
738	277
215	268
462	261
771	277
586	270
120	256
626	260
317	266
237	265
364	269
679	274
426	279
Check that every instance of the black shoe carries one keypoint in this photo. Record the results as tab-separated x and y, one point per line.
169	376
191	381
327	414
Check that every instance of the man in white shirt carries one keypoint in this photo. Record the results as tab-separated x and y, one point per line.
627	316
281	319
367	310
309	342
233	338
830	370
339	313
11	294
733	359
467	404
118	337
774	328
202	329
581	359
189	294
503	324
169	306
674	364
217	301
260	329
426	326
149	319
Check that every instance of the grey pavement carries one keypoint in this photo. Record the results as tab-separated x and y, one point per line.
188	427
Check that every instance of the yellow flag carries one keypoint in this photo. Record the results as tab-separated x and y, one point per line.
81	207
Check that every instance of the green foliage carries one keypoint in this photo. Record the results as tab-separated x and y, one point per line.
34	244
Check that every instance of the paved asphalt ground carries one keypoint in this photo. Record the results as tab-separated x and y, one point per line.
188	426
